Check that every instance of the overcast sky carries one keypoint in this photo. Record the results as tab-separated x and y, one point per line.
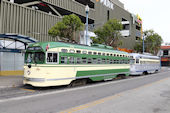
155	15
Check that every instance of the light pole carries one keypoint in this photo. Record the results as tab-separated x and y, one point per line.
87	12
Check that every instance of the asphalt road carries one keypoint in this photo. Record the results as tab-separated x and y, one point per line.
145	94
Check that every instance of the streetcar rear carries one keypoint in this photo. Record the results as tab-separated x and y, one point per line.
144	64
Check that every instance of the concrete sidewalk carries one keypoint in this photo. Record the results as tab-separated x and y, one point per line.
10	81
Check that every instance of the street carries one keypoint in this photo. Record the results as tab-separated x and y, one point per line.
141	94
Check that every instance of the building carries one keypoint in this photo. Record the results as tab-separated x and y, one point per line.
34	18
164	53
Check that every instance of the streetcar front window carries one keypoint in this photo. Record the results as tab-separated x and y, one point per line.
132	61
37	58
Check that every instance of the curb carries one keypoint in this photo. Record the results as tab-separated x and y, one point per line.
11	86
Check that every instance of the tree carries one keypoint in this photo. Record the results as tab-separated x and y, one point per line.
139	47
109	33
152	42
67	28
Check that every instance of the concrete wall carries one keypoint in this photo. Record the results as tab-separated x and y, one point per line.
116	13
72	6
15	18
26	21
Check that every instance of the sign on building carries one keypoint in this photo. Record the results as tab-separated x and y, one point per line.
107	3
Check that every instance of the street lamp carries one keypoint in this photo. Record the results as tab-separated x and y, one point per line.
87	12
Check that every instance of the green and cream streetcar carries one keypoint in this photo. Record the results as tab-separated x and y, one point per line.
59	63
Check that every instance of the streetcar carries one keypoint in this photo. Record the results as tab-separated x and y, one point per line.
60	63
142	64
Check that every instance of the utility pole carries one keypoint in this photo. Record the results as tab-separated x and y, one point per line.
143	44
87	12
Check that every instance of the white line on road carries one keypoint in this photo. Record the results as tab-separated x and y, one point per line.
74	89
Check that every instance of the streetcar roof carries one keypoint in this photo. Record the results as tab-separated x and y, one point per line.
51	45
137	55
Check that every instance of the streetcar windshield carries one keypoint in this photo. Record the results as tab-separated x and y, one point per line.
37	58
132	61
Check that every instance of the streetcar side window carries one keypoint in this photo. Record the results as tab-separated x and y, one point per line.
94	53
103	61
89	61
78	60
94	60
137	61
84	60
72	51
111	61
84	52
71	60
63	60
90	53
132	61
78	51
108	61
64	50
52	57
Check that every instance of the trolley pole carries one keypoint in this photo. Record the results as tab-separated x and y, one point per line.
143	44
87	12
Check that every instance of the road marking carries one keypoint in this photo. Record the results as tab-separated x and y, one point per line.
91	104
27	89
100	101
74	89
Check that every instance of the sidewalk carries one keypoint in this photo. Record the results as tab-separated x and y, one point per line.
10	81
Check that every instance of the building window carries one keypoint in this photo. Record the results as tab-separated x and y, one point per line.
138	28
138	38
108	15
126	26
165	52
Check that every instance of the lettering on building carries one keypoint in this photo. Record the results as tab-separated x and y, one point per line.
107	3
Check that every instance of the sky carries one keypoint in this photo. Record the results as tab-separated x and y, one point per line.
154	13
